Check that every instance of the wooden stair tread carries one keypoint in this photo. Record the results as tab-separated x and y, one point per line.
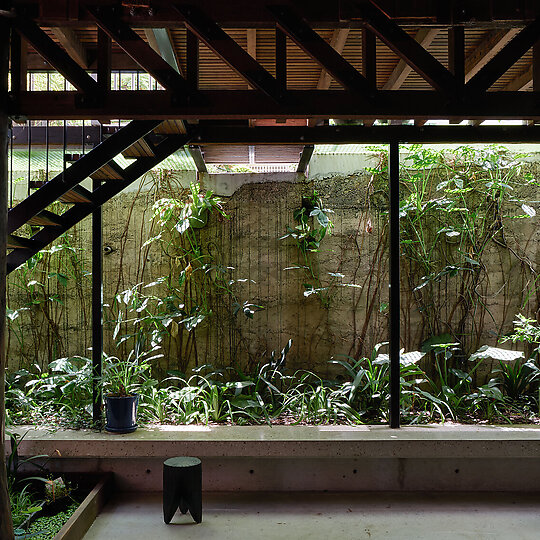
171	127
139	149
78	194
45	219
17	242
107	172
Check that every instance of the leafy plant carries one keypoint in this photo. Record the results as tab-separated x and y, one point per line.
519	379
129	376
525	331
313	224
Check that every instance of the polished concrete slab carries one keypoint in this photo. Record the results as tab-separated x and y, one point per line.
313	516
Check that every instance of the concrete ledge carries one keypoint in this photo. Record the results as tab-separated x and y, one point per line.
305	458
441	441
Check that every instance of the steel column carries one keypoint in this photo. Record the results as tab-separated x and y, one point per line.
6	524
393	167
97	312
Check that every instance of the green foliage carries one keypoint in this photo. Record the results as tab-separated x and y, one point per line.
184	300
313	225
456	206
63	392
130	375
525	331
47	527
270	393
38	293
519	379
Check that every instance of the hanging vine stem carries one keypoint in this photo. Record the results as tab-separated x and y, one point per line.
313	224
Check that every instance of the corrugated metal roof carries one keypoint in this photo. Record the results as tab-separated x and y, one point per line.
178	161
341	149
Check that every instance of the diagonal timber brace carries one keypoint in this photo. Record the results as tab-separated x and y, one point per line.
505	58
56	56
409	50
230	52
143	54
324	54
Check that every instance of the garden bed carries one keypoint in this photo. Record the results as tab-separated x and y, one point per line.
70	516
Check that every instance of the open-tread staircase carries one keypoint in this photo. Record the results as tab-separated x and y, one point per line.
132	141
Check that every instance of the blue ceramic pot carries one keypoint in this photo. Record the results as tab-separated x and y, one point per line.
121	413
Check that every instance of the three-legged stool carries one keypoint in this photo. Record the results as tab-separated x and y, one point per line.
182	487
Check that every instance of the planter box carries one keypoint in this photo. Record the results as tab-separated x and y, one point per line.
80	521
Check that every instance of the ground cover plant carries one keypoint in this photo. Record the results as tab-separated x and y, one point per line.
272	394
40	503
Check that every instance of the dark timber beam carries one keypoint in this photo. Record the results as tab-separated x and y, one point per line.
329	14
69	40
505	58
409	50
324	54
456	60
198	158
18	59
248	104
230	52
456	54
305	157
142	53
492	43
369	62
56	136
369	57
424	37
119	60
104	60
56	56
223	134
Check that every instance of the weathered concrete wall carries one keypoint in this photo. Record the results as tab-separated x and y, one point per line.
348	318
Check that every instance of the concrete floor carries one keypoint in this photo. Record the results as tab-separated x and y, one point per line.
327	516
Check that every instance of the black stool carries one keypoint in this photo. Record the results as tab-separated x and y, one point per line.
182	487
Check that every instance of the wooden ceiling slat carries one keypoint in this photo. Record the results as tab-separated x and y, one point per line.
302	72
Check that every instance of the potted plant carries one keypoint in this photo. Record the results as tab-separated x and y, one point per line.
122	382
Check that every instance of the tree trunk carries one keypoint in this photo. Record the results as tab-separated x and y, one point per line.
6	524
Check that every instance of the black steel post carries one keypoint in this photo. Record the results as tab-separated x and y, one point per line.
393	167
6	524
97	312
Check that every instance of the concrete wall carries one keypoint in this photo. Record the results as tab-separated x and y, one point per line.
351	265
